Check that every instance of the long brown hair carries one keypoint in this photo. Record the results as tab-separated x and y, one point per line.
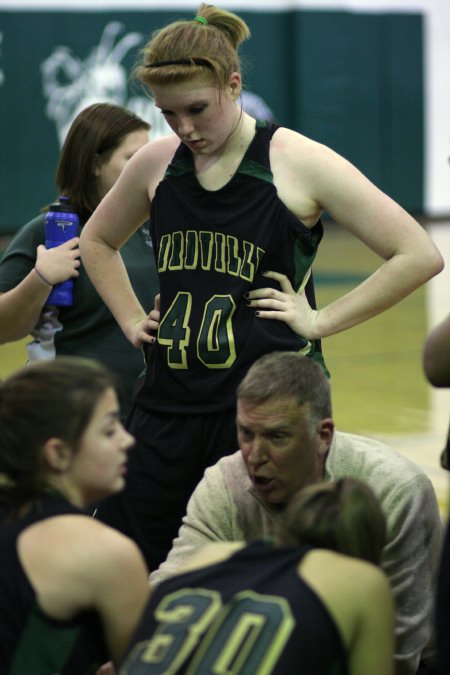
47	399
93	136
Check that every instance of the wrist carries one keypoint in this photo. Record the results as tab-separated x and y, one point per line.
317	329
42	277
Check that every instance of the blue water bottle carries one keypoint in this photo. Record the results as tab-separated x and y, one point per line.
61	224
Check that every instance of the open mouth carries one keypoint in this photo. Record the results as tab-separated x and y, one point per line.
262	482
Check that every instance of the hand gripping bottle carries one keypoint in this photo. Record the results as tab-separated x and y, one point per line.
61	224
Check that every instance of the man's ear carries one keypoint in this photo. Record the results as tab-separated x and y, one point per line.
57	454
325	431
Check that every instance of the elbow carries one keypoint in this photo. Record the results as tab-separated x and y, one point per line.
439	263
434	264
426	265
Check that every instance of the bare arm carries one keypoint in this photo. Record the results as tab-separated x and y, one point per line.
359	599
92	567
436	355
120	588
120	213
312	178
373	646
21	306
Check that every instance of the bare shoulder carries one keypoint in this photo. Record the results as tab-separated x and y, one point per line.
70	559
292	144
307	159
148	165
78	542
209	555
327	569
296	161
155	154
163	147
106	546
283	137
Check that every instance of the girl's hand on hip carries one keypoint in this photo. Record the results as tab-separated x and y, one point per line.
284	305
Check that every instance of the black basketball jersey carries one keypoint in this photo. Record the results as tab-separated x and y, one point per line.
249	615
211	247
31	642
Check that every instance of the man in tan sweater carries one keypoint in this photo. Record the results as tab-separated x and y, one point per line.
287	440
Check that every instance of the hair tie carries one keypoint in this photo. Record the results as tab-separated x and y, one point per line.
201	19
49	283
192	61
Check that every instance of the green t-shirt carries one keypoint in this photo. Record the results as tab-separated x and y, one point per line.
87	328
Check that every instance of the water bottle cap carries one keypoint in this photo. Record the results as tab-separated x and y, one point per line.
62	205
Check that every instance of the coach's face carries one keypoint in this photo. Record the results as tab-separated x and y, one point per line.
280	450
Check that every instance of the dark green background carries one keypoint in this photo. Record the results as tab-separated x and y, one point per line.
353	81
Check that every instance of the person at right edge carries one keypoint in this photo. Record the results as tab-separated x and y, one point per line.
436	364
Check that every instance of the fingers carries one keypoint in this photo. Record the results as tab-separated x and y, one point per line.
75	273
282	279
152	326
278	304
68	250
145	332
264	294
273	314
59	262
259	293
70	244
283	305
143	336
154	315
158	302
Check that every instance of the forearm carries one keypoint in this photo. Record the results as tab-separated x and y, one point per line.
410	257
107	271
389	284
21	306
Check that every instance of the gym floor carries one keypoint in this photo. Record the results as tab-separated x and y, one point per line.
378	385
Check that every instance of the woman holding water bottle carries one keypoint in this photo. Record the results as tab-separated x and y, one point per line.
100	141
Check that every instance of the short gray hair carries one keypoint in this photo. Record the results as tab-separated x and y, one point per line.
288	375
